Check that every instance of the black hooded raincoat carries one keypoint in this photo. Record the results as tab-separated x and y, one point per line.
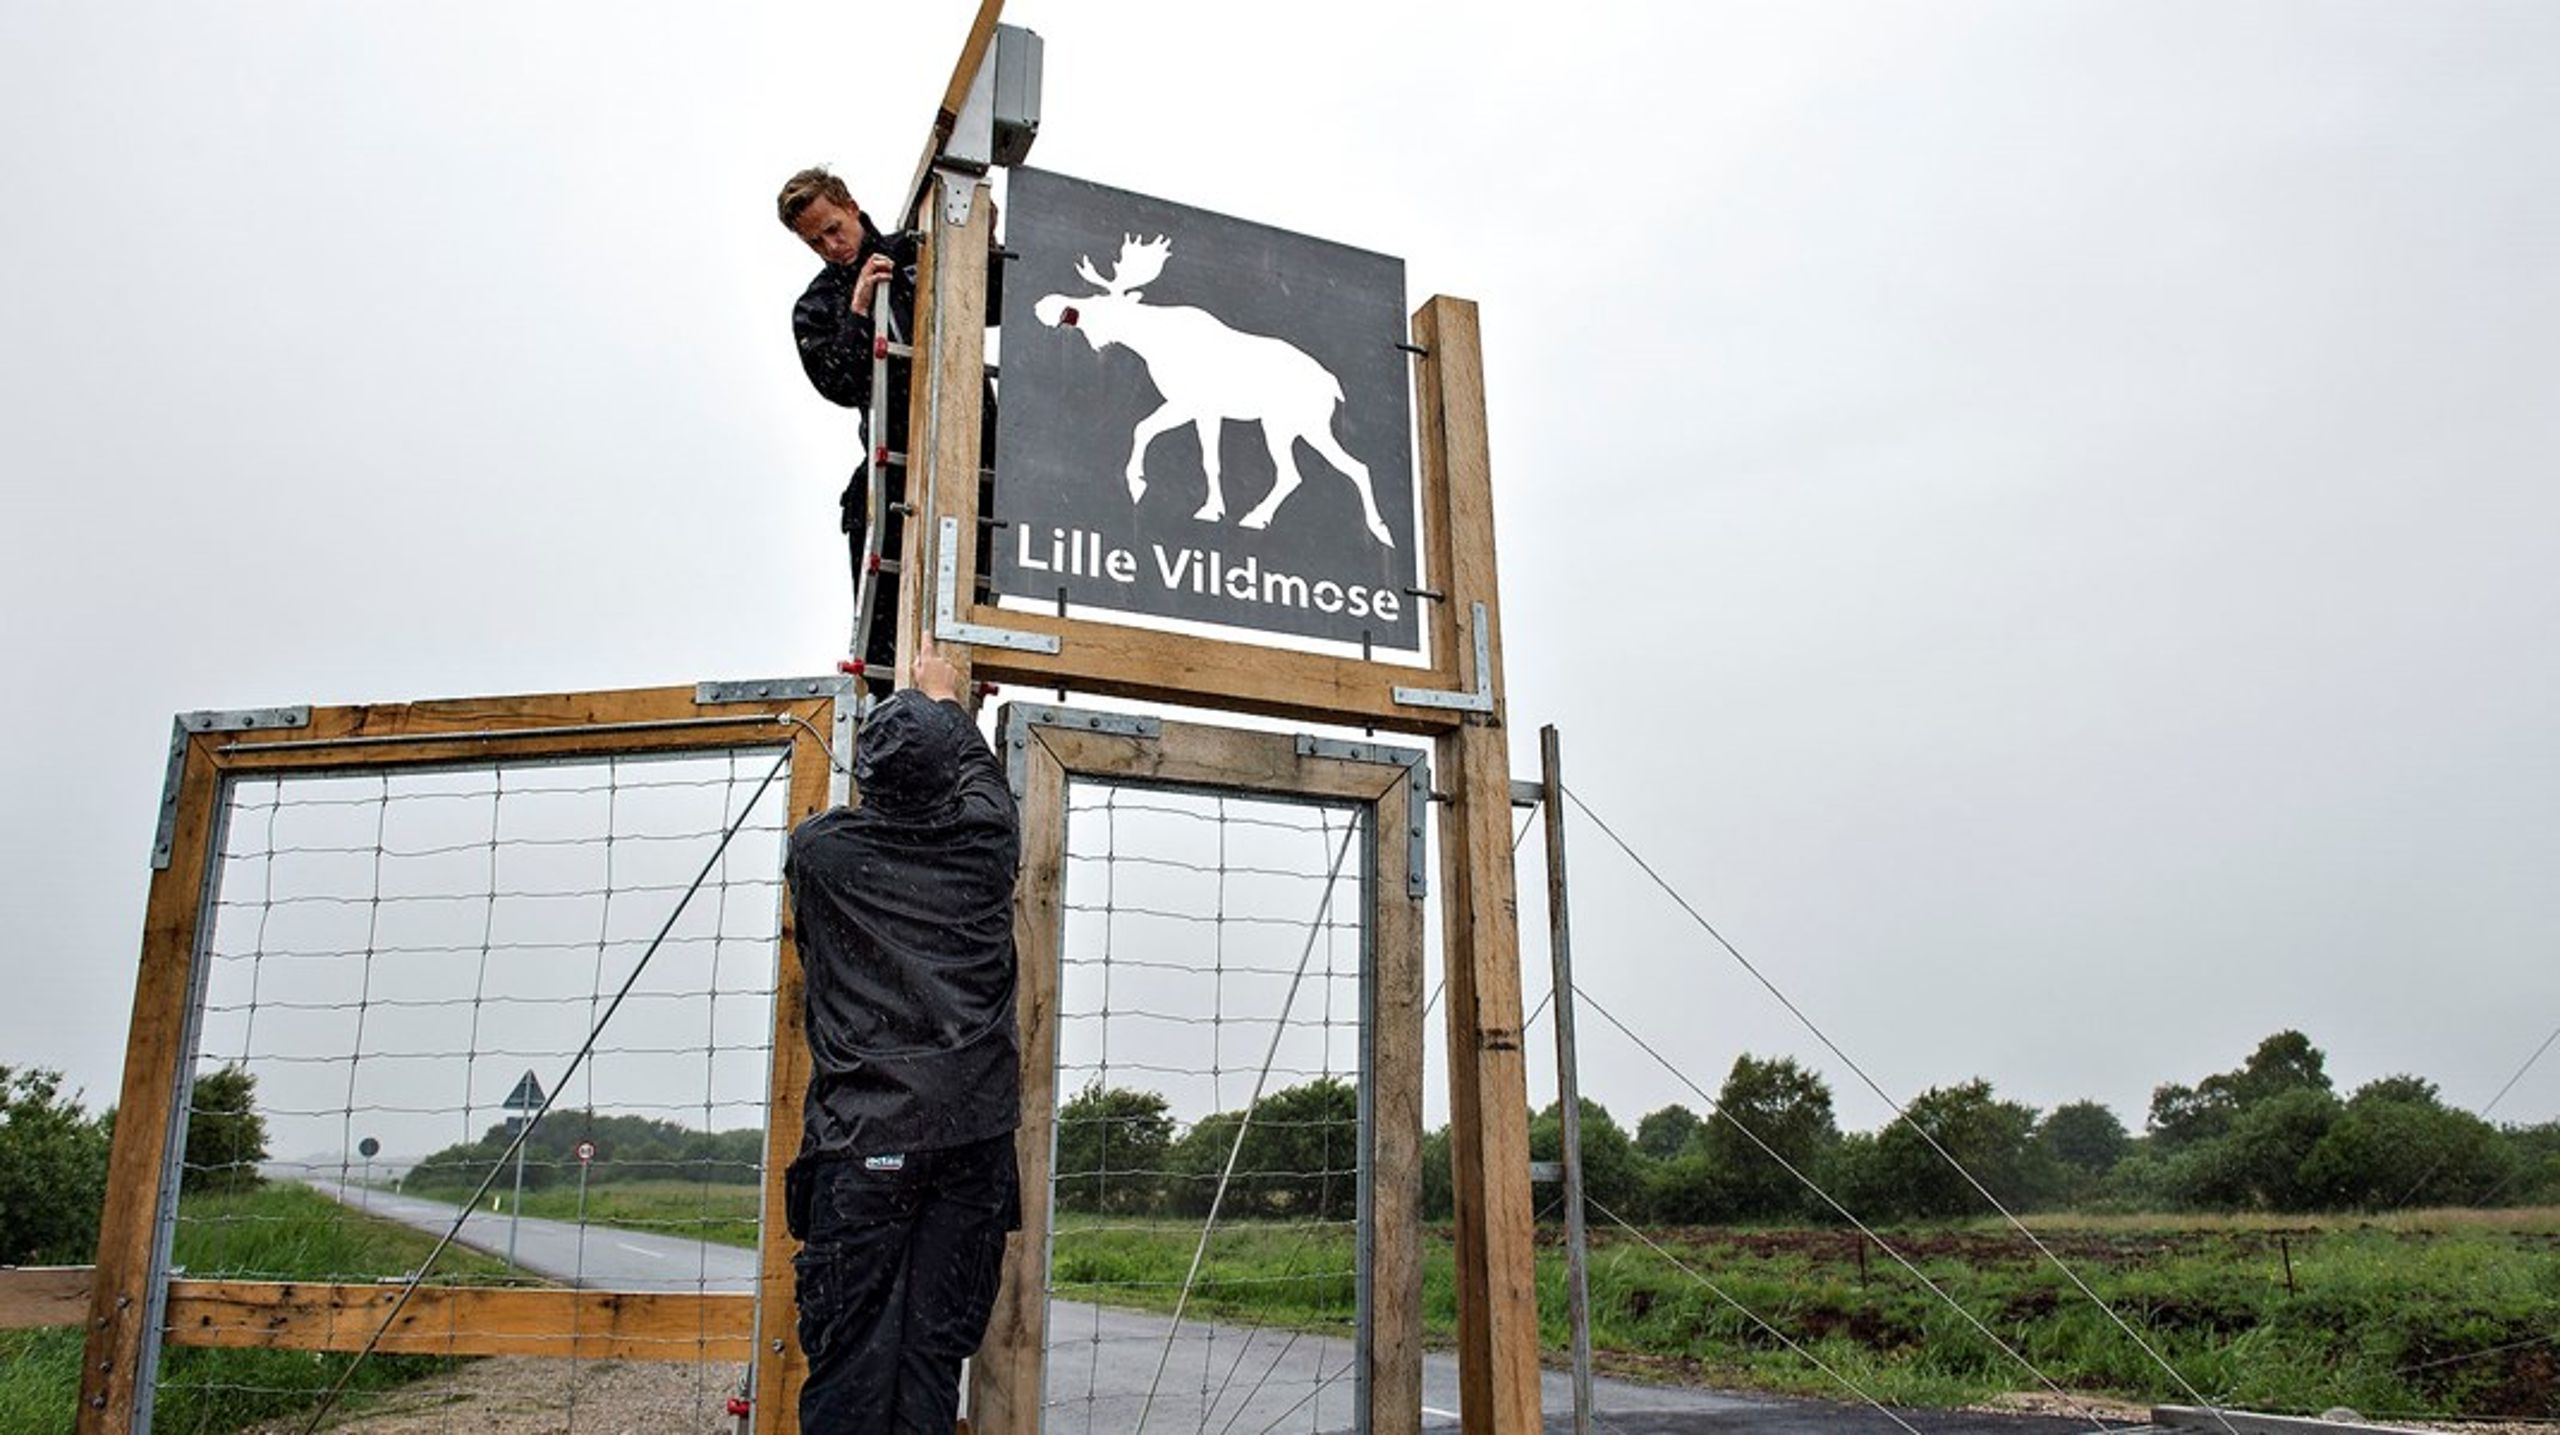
905	925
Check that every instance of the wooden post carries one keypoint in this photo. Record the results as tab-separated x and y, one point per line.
780	1367
1488	1082
1395	1220
1577	1248
947	405
149	1116
1005	1380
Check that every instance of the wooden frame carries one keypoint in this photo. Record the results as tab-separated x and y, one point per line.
1048	749
210	749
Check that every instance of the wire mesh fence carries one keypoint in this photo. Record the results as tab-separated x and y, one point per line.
401	967
1210	1165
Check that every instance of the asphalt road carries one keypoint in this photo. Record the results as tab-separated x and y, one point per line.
1238	1380
598	1256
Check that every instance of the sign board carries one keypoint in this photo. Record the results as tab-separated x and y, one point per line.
1202	418
586	1152
526	1097
368	1148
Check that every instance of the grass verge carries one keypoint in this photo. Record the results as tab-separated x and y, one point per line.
277	1232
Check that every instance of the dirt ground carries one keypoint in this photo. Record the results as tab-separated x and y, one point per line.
552	1397
2045	1403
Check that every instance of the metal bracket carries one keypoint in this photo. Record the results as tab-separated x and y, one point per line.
1478	701
946	601
185	725
749	690
959	188
1417	795
1525	793
1021	718
846	703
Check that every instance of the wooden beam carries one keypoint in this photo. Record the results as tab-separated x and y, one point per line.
34	1297
465	1320
554	725
1228	759
1006	1391
947	404
783	1368
1488	1083
1116	660
148	1120
1395	1083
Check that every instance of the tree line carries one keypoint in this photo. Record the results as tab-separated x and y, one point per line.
628	1148
53	1158
2272	1134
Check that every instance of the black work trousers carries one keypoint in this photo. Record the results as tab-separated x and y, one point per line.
896	1282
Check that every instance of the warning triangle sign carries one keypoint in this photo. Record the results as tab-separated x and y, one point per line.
527	1096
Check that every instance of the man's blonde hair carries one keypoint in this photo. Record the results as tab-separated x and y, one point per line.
807	188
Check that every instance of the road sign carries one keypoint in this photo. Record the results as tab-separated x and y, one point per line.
586	1152
368	1148
1203	419
527	1096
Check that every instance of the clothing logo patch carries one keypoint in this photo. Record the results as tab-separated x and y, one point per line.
884	1163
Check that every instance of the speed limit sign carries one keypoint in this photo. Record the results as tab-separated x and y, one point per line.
586	1152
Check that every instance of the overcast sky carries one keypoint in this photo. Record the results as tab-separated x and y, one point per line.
2039	518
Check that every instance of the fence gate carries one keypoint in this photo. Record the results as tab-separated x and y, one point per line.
1220	935
423	927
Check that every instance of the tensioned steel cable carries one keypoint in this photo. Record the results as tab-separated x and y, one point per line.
585	1049
1716	1108
2444	1156
1751	1315
1244	1123
1901	1113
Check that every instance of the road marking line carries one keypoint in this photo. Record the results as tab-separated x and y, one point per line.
640	1251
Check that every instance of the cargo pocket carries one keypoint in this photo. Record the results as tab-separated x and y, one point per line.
818	1292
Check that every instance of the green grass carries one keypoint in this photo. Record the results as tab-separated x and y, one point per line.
2371	1305
278	1232
2370	1309
2387	1314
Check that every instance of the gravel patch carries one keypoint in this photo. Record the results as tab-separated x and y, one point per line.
549	1397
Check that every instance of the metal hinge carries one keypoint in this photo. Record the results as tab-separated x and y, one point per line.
185	725
1480	700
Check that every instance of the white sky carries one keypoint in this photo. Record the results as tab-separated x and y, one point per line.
2039	517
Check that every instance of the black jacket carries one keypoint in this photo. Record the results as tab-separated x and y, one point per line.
835	342
905	921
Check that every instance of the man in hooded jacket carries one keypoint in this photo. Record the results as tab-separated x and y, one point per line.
906	1184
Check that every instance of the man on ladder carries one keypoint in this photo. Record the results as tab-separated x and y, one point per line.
855	359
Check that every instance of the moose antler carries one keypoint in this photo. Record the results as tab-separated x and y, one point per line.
1140	261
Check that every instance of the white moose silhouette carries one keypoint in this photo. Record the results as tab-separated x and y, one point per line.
1209	374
